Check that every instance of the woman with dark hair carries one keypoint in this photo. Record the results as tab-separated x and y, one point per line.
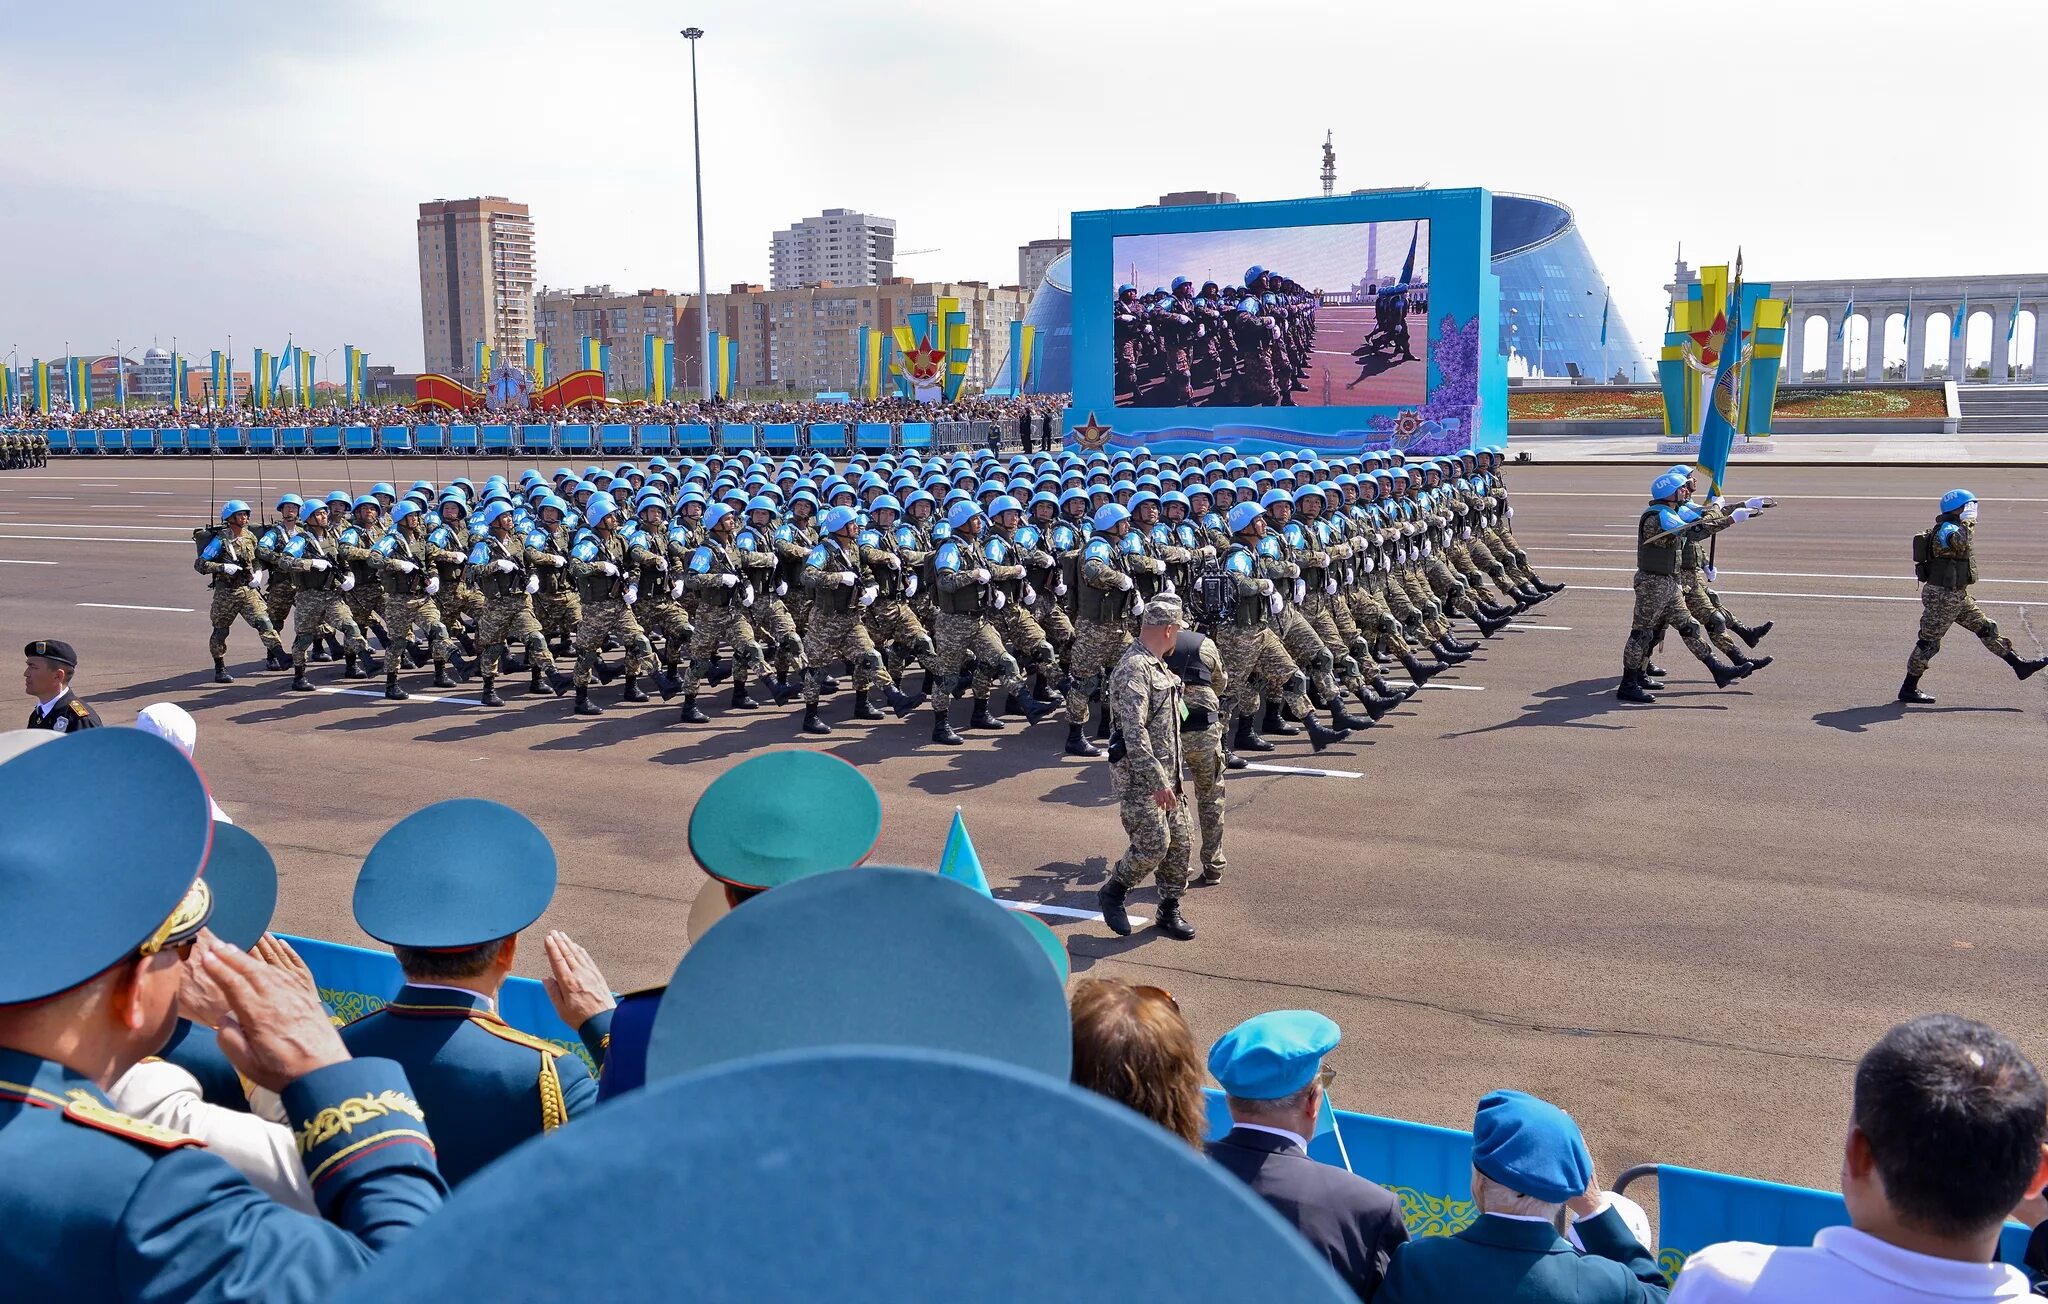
1132	1045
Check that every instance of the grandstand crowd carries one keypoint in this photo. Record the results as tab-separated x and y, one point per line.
861	1083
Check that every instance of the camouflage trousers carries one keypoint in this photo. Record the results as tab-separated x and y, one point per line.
1256	662
840	636
365	605
1026	639
1494	561
279	596
666	617
1375	622
558	613
1415	592
457	601
1658	603
1090	657
319	611
896	629
610	618
778	630
1159	839
230	604
1465	561
1307	648
405	613
716	625
962	638
1204	751
1692	588
1059	629
511	620
1450	590
1500	540
1940	608
1321	610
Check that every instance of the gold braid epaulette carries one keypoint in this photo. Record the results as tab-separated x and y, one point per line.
554	1111
333	1120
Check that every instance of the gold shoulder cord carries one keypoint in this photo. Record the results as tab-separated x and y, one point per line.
554	1111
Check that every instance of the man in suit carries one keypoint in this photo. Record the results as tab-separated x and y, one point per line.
449	889
1271	1070
1532	1178
47	678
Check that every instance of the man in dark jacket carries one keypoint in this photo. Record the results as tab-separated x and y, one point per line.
1271	1071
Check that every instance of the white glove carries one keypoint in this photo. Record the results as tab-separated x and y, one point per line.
554	559
404	567
1265	586
1123	582
1510	512
1166	586
1464	532
747	599
1030	596
608	568
319	563
1138	611
1754	504
981	575
675	590
868	594
533	584
258	578
1741	514
1401	554
1330	587
505	565
848	578
1300	589
1350	576
728	580
1708	571
433	585
1969	512
910	586
632	593
1000	600
1368	564
1059	590
1274	604
230	568
1427	548
1208	552
781	588
892	561
348	582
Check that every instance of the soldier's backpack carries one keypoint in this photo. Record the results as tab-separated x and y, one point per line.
1923	554
1213	594
203	537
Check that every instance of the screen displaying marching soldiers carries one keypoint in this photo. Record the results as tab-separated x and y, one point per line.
1304	316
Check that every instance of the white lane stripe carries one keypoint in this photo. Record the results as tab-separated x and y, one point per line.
1264	768
86	525
1810	498
122	606
48	498
1463	688
98	485
1778	575
156	493
1555	629
1843	597
77	538
413	696
13	561
1064	912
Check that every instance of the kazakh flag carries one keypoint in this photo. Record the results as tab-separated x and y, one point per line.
1717	433
730	369
223	379
39	377
959	860
8	387
1955	328
657	361
178	374
483	361
355	380
593	354
2012	321
78	379
537	363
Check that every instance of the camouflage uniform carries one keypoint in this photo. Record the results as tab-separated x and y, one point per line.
448	544
1193	658
772	620
278	590
894	626
1950	603
836	632
352	547
605	612
721	615
556	605
407	607
1254	658
964	633
1297	635
232	596
1019	630
508	610
1102	600
1656	583
1145	701
659	559
317	604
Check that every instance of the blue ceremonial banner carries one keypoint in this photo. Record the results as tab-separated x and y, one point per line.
120	379
2013	321
1955	328
1842	328
78	383
179	370
223	379
1604	305
1717	433
959	861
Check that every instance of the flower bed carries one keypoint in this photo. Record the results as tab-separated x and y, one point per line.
1887	403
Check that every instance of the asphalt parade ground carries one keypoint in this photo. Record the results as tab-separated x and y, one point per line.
1336	378
1683	922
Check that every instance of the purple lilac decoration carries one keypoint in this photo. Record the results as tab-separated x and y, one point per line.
1451	411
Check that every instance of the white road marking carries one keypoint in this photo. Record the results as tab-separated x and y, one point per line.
1843	597
85	525
1064	912
75	538
98	485
49	498
1555	629
156	493
122	606
412	696
1776	575
1809	498
12	561
1463	688
1264	768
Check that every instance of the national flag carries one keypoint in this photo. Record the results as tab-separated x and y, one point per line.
537	363
959	861
657	363
120	380
2012	321
1717	431
593	354
1603	317
8	385
1408	263
483	361
39	378
1955	328
78	380
1842	330
178	374
1326	1125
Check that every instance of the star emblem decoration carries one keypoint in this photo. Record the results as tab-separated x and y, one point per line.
1092	435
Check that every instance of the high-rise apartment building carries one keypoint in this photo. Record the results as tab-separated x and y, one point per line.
1034	258
839	246
563	319
476	280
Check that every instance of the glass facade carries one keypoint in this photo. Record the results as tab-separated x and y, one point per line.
1552	298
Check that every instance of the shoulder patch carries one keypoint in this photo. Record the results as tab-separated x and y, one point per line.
869	538
1238	562
80	709
817	557
1099	550
700	561
1269	546
949	557
997	550
537	539
586	550
1132	543
84	1109
498	1028
441	537
906	537
480	554
212	548
387	545
785	533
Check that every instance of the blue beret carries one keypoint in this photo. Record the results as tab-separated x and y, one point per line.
883	957
243	879
783	815
459	873
862	1176
122	825
1272	1055
1530	1146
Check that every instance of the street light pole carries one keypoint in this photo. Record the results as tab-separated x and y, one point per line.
691	34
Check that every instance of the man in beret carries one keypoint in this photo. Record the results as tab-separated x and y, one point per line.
93	948
1271	1070
47	678
1532	1178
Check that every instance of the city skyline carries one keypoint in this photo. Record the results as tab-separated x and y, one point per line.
269	188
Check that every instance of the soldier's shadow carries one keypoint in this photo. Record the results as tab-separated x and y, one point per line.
986	758
523	711
197	691
1578	705
769	726
1858	719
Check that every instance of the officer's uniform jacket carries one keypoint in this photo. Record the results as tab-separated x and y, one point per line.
66	715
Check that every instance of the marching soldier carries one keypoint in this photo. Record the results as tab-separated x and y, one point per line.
448	545
964	634
1254	658
229	558
841	587
898	633
723	600
1661	530
361	581
1145	699
1200	667
1101	588
1280	563
276	583
317	600
50	664
409	588
771	614
548	541
499	570
1947	566
601	566
1012	594
658	556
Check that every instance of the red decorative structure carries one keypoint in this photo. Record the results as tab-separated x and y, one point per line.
577	389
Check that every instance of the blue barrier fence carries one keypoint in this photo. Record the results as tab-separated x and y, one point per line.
616	439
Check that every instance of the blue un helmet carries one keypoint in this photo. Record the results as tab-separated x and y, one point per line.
403	508
961	512
1666	486
231	507
1253	273
1005	503
290	500
837	519
716	513
1110	515
1125	288
762	503
489	514
1956	500
1242	515
885	503
1271	496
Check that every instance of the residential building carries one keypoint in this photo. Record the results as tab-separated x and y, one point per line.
1034	258
839	245
1192	198
476	280
807	340
622	321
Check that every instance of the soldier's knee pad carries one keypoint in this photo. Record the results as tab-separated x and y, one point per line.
1925	648
868	661
1990	630
1043	654
1688	629
1297	684
1006	668
790	646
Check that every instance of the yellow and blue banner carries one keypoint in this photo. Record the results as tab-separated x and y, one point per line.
120	380
537	363
39	379
958	342
355	380
304	364
179	373
597	355
725	363
78	380
1766	361
658	364
1717	432
223	367
959	861
261	379
1023	347
10	386
483	361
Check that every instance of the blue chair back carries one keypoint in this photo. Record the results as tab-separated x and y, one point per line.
874	436
431	439
462	439
395	439
327	439
576	438
615	438
778	437
917	434
828	437
737	436
693	439
497	439
359	439
262	439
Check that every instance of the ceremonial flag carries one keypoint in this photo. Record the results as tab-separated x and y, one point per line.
1842	330
537	363
1603	317
959	860
1408	264
303	366
223	379
1717	432
39	378
483	361
178	375
596	356
2013	321
8	385
657	362
355	381
860	362
78	379
1326	1125
259	381
120	380
1955	328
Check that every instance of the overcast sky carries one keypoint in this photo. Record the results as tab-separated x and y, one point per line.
196	171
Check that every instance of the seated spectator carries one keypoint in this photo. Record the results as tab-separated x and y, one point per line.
1531	1177
1132	1045
1945	1138
173	723
1271	1070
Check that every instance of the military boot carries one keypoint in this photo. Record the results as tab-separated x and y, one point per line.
1491	625
1078	744
220	671
1632	689
1651	670
691	715
1109	899
1319	737
1102	725
740	700
490	695
1420	673
864	707
1725	675
2023	668
982	718
392	692
351	667
900	702
1343	719
299	684
442	679
1754	663
1385	689
1751	634
277	659
533	682
1559	588
812	724
584	706
716	675
1171	922
318	652
633	691
1248	739
671	682
1276	723
1910	692
1448	655
1375	706
942	730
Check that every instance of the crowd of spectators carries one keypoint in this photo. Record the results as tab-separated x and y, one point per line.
863	1053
